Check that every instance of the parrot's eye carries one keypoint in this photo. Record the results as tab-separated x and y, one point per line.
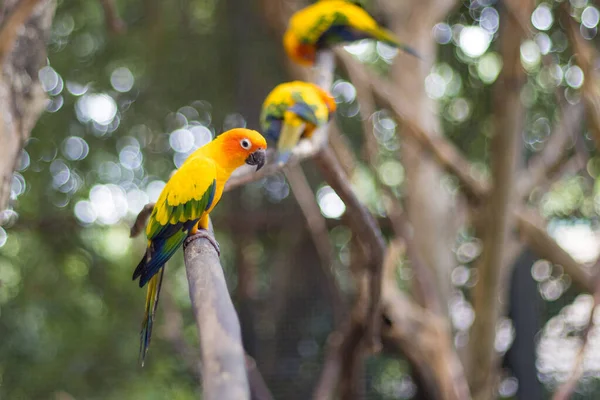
245	143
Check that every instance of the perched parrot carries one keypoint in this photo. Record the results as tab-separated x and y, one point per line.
330	22
293	110
183	207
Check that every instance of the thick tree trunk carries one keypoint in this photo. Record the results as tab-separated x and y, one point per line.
24	30
429	206
493	267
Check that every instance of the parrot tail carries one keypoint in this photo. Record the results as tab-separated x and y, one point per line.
291	132
152	295
384	35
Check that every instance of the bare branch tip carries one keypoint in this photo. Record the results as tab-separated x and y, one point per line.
140	221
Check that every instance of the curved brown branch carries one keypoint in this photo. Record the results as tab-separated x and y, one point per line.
221	351
363	224
330	373
140	222
319	233
258	387
532	229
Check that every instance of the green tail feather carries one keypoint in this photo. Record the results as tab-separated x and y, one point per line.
152	296
289	137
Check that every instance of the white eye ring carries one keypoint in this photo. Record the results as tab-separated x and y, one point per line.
245	143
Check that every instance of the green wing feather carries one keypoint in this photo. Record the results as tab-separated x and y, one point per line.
185	198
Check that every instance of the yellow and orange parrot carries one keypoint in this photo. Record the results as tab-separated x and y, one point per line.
294	110
330	22
183	207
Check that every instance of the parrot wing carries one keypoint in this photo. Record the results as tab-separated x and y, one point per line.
186	197
271	127
297	119
306	111
272	113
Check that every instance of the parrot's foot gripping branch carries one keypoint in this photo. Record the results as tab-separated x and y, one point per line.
204	234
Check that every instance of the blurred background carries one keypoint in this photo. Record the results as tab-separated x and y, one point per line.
134	89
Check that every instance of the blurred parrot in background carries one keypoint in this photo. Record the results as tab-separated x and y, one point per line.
183	208
293	110
330	22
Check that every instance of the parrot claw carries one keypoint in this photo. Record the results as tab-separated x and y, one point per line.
204	234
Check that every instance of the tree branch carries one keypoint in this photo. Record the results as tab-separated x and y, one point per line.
140	221
332	366
495	228
363	224
22	98
258	387
221	351
319	234
532	230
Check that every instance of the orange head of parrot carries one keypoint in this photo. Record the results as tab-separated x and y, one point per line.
301	53
244	146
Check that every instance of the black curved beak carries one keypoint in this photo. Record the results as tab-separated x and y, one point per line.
258	158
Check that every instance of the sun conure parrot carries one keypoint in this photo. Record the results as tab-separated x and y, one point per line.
294	110
330	22
183	207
